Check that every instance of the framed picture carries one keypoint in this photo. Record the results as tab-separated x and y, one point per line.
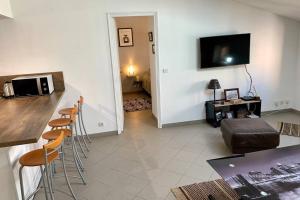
153	48
229	115
125	37
150	35
231	94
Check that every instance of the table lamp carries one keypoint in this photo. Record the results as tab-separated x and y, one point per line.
130	71
213	85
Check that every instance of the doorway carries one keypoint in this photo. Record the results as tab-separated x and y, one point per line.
135	36
135	72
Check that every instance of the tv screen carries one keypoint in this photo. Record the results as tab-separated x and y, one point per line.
225	50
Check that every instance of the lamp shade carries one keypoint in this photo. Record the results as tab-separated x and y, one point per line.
214	84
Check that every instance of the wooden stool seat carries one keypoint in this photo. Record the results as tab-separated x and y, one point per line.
66	111
60	122
53	134
36	158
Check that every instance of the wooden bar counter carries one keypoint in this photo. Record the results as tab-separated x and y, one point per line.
23	120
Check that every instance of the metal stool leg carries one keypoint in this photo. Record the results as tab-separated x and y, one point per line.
75	150
78	156
78	139
81	120
21	182
65	172
43	180
51	175
76	161
48	181
82	136
54	167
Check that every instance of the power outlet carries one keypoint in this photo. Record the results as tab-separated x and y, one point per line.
281	103
287	103
100	124
165	70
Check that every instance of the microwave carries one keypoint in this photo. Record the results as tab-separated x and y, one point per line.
33	85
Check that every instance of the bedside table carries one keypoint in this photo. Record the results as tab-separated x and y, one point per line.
137	84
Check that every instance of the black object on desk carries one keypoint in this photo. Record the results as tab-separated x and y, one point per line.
248	98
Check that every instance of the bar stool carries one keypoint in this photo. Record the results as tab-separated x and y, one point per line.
44	158
80	105
65	112
68	123
54	134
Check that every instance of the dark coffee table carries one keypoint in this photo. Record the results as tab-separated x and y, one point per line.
270	174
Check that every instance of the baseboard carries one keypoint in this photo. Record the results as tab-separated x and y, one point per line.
277	111
110	133
103	134
155	119
296	111
184	123
204	120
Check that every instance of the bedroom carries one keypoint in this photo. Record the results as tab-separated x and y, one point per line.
135	37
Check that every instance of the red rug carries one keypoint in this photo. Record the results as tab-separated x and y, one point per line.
137	104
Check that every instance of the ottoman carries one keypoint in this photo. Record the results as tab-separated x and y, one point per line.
248	135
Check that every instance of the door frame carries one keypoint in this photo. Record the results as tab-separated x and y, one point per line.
115	64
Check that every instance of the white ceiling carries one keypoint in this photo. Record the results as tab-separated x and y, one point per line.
287	8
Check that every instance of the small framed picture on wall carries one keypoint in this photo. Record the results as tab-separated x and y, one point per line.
125	37
150	35
153	48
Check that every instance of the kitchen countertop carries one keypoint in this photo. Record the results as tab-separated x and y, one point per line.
23	120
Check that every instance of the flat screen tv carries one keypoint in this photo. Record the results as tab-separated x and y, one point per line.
225	50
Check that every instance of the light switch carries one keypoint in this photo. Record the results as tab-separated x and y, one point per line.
165	71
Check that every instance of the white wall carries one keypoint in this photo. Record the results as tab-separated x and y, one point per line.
138	54
52	36
152	61
72	36
273	56
5	8
297	78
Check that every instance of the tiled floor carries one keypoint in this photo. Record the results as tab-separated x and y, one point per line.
145	162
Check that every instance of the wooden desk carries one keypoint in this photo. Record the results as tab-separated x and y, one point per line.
23	120
227	103
215	113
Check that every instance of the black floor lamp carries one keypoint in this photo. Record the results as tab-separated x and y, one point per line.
213	85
